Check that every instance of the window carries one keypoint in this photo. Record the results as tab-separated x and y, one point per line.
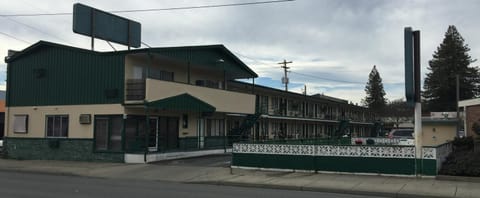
108	133
57	126
215	127
158	74
20	124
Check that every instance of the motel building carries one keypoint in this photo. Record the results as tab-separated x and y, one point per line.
143	105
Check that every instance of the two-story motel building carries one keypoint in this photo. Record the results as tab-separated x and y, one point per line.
68	103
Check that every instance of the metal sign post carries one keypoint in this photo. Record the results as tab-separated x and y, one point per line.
413	90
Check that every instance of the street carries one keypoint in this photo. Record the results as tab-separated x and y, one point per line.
16	184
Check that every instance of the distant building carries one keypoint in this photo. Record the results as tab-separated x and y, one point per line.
471	111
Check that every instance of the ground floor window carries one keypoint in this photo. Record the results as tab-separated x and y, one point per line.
20	124
57	126
108	133
215	127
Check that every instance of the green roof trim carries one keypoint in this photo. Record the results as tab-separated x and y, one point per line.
182	102
201	54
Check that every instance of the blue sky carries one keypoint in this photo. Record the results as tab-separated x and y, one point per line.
333	44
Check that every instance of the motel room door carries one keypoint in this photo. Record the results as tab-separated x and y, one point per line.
168	133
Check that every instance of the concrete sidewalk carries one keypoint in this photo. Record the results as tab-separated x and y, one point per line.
340	183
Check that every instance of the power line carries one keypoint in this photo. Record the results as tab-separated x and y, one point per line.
36	29
328	79
154	9
18	39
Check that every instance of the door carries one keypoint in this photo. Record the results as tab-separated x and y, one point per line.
172	142
153	134
168	133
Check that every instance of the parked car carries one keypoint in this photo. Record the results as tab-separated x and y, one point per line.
405	136
401	133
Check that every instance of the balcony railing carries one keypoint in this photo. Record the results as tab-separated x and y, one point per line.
135	89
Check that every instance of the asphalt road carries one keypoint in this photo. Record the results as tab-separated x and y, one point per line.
20	185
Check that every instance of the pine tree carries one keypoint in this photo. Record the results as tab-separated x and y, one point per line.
375	98
450	59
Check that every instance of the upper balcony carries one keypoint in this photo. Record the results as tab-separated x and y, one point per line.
201	72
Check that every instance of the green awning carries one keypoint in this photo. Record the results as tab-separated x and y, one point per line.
182	102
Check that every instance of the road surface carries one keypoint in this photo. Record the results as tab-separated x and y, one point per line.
29	185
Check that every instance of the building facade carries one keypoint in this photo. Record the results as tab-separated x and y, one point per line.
68	103
288	115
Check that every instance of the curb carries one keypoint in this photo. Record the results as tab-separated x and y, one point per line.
458	178
315	189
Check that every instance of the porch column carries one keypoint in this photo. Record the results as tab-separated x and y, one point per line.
147	131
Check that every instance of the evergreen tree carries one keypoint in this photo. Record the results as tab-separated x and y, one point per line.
450	59
375	98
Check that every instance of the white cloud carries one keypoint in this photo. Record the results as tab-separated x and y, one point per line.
328	39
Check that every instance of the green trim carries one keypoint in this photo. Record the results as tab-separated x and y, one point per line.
76	149
403	166
182	102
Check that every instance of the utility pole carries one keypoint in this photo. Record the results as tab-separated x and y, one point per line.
285	69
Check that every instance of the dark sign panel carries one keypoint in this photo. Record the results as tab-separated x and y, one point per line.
409	80
99	24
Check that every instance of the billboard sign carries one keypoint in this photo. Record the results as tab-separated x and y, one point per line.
96	23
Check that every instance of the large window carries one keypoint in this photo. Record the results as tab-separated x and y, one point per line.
215	127
57	126
108	133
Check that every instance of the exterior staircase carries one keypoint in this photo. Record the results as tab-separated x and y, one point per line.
242	133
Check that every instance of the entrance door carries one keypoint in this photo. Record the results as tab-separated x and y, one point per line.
168	133
153	134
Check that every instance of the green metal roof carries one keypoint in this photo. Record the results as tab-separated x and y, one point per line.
182	102
206	55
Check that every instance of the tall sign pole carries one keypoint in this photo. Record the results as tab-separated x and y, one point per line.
412	88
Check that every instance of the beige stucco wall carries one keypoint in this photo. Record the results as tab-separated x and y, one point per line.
436	134
191	130
179	71
37	118
223	101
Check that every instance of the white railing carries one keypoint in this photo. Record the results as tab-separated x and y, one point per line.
388	151
326	150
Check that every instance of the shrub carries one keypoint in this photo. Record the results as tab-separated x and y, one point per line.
463	143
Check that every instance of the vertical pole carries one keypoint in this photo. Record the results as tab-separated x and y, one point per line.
418	135
147	132
253	85
458	108
417	99
129	37
285	70
225	135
